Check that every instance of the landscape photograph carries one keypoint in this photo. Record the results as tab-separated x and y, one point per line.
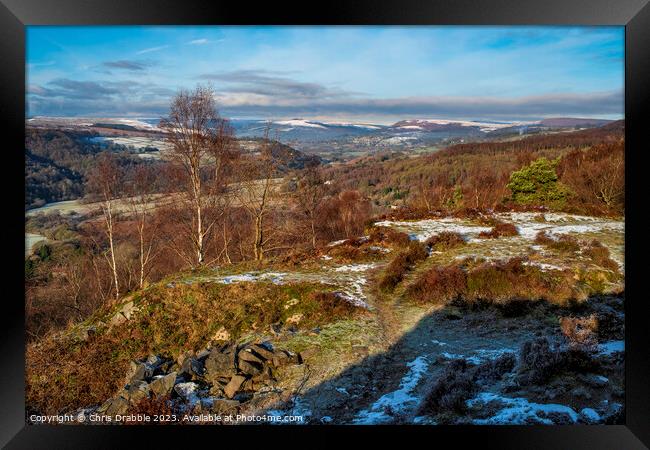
325	225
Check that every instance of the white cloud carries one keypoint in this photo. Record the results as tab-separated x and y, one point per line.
151	49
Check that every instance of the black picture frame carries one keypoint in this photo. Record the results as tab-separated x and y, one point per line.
633	14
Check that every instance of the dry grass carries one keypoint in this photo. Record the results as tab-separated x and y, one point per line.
599	254
563	244
445	240
369	247
151	407
499	229
388	236
453	388
460	381
503	281
347	253
495	282
539	361
64	373
401	264
580	331
439	285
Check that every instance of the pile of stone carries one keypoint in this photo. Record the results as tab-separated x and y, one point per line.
218	379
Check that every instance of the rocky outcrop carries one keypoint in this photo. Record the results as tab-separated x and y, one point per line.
217	379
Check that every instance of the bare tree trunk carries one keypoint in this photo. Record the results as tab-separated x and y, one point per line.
109	231
141	256
258	245
225	245
199	236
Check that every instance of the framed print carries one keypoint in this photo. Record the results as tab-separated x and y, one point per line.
413	217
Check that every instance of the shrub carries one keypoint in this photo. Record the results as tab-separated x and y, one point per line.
394	273
388	236
445	240
537	184
439	285
44	252
503	281
599	254
580	331
542	238
500	229
610	325
332	305
416	252
538	361
498	282
459	382
401	264
493	370
453	388
345	252
564	243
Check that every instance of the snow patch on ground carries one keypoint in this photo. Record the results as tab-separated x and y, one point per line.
355	267
422	230
489	354
611	347
273	277
348	279
342	391
543	266
356	301
479	356
590	415
559	223
519	411
377	248
396	402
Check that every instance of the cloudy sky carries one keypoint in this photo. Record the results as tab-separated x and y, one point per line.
371	74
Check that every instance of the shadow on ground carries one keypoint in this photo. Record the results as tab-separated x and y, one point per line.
389	387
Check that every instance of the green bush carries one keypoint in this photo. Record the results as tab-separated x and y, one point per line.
537	184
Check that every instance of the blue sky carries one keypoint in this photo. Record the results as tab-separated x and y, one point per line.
374	74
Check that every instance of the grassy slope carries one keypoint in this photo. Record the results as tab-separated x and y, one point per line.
170	321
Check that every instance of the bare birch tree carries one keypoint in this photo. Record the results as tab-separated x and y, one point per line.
140	189
309	196
198	140
255	190
105	180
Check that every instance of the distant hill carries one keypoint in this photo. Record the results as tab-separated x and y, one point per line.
345	137
568	122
